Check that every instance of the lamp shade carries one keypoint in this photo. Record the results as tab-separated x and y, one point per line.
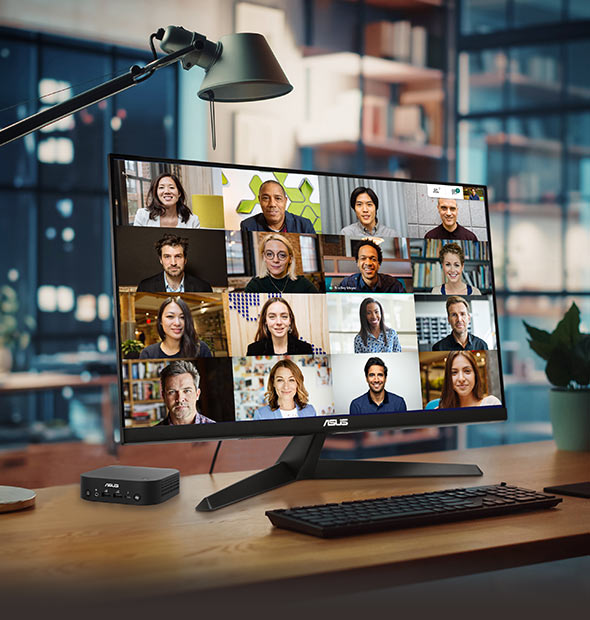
246	70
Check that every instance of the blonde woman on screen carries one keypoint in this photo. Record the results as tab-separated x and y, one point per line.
286	395
277	269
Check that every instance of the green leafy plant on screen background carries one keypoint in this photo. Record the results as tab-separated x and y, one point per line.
131	348
566	351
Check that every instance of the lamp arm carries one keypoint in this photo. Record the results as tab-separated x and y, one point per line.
134	76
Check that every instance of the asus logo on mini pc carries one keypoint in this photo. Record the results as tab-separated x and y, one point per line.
342	422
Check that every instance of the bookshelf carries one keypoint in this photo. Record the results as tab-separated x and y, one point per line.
377	97
142	398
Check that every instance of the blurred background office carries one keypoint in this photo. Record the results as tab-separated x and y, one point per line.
476	91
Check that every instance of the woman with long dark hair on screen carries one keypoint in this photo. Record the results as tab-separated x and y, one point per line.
374	336
285	394
463	385
277	332
277	269
166	205
177	332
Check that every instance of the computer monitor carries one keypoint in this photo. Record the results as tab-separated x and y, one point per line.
259	302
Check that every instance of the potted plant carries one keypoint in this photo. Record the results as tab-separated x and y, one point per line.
567	352
131	348
15	327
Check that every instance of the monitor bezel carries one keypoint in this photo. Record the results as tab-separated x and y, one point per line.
344	423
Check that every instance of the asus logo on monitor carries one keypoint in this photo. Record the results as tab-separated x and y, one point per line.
336	423
113	485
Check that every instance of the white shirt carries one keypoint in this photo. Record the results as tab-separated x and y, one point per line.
142	218
490	400
291	413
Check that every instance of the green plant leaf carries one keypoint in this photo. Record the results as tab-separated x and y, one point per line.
567	332
541	341
559	367
581	368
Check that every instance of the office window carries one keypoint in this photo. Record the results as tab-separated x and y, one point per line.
142	117
71	152
137	182
478	160
308	254
59	241
523	128
234	250
17	65
483	16
535	152
534	75
481	80
578	82
536	12
578	9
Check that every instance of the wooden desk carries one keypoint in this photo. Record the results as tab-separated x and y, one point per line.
71	545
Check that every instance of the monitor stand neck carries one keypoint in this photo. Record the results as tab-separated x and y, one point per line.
300	460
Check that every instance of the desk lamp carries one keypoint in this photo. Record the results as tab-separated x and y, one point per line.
240	67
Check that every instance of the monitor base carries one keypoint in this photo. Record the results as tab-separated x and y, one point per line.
300	460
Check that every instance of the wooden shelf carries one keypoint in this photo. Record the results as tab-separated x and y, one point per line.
552	147
518	141
394	146
381	69
525	84
403	4
384	147
530	208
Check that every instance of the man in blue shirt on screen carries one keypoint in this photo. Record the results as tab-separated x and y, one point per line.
274	216
369	256
377	399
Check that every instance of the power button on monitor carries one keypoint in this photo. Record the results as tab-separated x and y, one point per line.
137	497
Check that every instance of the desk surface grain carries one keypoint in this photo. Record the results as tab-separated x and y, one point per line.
66	542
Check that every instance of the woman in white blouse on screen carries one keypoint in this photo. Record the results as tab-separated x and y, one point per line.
166	205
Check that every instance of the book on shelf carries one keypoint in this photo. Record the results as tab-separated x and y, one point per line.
390	40
146	390
421	96
146	413
408	123
418	46
375	111
430	248
427	275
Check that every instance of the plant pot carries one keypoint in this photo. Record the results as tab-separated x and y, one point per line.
5	360
569	411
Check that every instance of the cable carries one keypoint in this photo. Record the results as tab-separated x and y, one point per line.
61	90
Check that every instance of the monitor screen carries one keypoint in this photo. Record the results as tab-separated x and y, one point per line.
258	302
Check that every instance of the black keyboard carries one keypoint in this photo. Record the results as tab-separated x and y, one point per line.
399	511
